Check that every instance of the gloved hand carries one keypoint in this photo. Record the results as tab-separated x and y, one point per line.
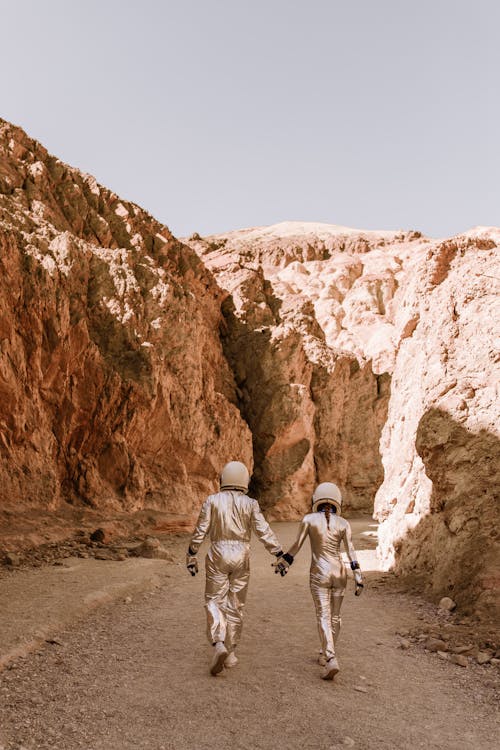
358	578
191	563
282	564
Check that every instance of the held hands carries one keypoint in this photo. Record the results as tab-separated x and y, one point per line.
191	563
282	564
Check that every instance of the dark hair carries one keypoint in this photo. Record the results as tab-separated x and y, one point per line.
326	508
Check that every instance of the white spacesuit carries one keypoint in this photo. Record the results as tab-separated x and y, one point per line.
326	531
228	517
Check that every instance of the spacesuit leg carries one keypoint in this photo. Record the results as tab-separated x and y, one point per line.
216	590
336	604
339	582
322	601
235	602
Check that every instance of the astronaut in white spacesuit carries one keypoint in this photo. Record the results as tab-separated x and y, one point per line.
228	518
326	530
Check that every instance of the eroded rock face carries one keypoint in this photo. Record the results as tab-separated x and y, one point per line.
311	339
132	366
439	502
327	329
114	390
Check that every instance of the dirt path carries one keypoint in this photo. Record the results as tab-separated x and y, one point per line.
135	676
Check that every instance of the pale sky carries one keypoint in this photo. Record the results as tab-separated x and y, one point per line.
223	114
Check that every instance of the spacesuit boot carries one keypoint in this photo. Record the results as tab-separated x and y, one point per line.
330	669
218	659
231	660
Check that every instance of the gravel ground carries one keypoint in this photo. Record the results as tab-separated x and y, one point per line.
135	674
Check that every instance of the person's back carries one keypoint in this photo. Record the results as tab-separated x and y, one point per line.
326	530
228	518
326	536
231	515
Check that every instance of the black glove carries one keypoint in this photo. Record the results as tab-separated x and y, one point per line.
282	564
358	578
191	562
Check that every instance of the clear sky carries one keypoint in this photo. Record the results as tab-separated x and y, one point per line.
222	114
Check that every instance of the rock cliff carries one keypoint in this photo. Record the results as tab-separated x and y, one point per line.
311	339
133	365
439	502
114	389
372	359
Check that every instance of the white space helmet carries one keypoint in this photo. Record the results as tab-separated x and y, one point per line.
327	492
234	476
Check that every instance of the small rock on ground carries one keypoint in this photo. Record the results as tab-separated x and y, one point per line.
447	604
483	657
459	659
436	644
11	558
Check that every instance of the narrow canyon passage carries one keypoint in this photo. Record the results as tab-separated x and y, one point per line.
135	675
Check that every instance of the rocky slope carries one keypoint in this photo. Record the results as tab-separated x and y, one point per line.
114	390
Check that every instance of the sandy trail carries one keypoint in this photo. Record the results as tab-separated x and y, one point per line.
136	675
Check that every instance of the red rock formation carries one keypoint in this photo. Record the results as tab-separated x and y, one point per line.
367	358
311	342
114	391
329	327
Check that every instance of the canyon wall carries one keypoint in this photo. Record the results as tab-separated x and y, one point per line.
133	365
114	389
310	339
439	504
372	359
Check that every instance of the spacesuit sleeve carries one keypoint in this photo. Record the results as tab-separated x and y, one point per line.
301	536
263	531
202	527
351	552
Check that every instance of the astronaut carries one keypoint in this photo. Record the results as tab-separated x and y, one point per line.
228	517
326	530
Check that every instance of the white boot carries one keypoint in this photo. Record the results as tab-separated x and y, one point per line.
331	668
231	660
218	659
